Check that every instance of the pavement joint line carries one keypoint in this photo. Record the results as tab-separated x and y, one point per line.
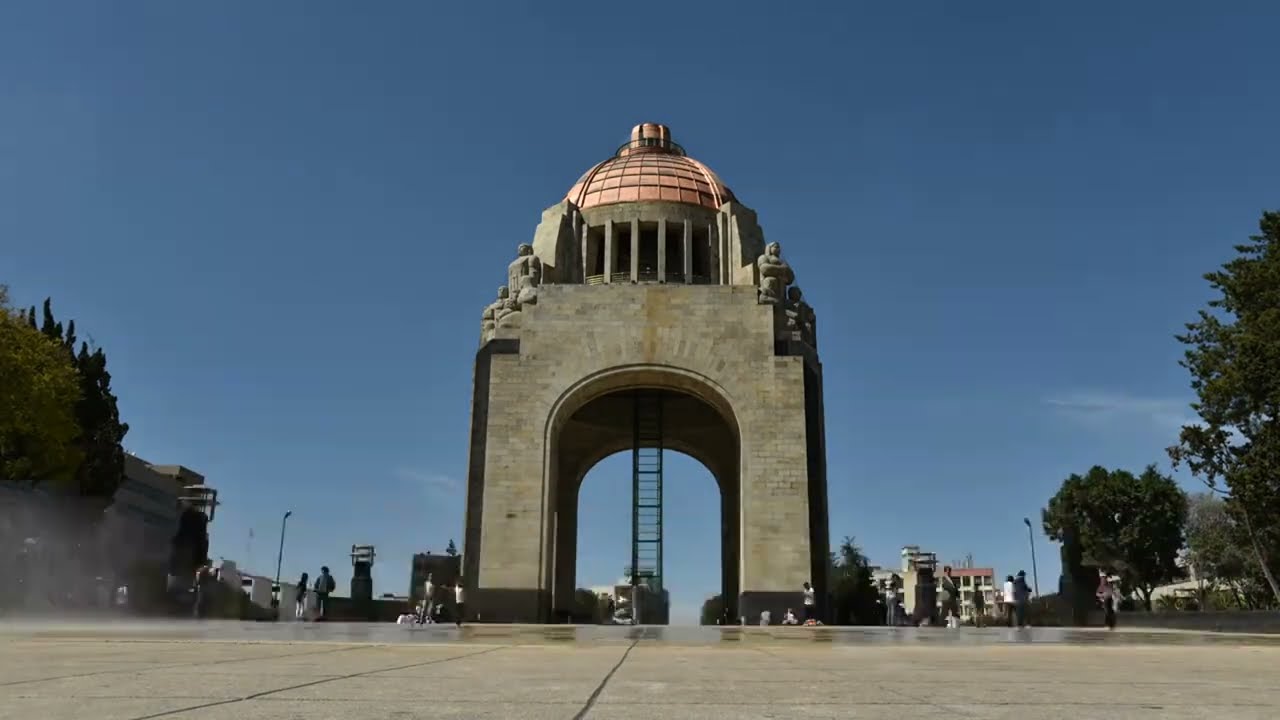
595	694
915	700
328	679
171	666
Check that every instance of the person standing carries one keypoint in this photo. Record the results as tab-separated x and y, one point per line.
459	602
979	605
200	589
1021	596
428	597
1008	599
325	584
1107	594
300	603
949	596
891	600
810	603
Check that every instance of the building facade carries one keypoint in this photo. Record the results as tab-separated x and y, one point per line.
917	565
444	570
140	523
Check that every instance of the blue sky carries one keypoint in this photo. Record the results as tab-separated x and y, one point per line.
282	220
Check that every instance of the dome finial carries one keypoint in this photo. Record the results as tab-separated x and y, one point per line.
649	137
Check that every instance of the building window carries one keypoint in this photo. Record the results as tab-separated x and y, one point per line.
595	251
622	249
675	253
701	254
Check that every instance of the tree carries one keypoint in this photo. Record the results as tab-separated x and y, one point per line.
712	610
452	550
586	607
853	594
1129	526
1212	551
1218	552
101	468
37	404
1233	355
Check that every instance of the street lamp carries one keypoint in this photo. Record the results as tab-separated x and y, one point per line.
1031	540
275	589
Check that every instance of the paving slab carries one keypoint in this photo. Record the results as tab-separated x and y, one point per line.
212	670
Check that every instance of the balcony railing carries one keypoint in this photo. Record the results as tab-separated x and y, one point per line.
673	278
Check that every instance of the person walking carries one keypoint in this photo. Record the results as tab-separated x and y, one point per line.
1021	596
1008	599
300	602
459	602
949	596
325	584
810	603
1107	594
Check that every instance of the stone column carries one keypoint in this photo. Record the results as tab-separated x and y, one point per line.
584	254
776	549
608	251
635	250
688	251
566	545
713	252
662	250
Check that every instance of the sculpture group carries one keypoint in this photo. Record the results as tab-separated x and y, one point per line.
775	277
523	277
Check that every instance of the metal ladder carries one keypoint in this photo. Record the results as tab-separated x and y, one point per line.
646	491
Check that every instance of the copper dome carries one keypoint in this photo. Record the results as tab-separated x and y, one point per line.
650	167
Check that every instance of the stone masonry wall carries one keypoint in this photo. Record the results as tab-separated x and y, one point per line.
577	331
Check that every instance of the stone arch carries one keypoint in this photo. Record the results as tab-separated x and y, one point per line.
593	411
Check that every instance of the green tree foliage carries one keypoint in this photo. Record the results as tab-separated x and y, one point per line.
712	610
1130	526
38	397
452	550
853	595
586	607
1233	355
1218	549
100	432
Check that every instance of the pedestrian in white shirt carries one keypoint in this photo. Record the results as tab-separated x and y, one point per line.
810	603
428	598
1008	599
459	602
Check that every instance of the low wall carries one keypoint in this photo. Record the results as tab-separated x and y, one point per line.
344	609
1236	621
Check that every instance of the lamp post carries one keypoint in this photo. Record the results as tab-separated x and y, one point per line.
275	589
362	580
1031	540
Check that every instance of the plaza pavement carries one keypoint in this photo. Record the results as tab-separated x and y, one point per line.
288	671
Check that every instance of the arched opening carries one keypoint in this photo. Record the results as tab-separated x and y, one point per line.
691	536
604	418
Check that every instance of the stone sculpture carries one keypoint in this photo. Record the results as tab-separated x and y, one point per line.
800	316
775	274
524	275
493	313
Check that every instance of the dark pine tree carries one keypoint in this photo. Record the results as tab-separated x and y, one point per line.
101	432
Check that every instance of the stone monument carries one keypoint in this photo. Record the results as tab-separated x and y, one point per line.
648	314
